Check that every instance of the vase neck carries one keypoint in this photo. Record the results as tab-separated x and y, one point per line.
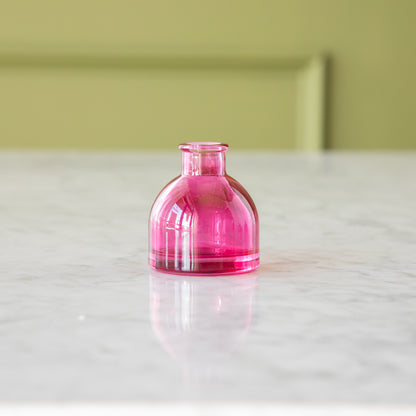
203	158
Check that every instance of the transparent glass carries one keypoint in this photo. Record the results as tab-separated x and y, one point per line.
204	221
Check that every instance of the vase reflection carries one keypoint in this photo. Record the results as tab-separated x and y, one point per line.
201	320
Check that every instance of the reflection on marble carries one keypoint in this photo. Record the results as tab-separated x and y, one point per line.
201	320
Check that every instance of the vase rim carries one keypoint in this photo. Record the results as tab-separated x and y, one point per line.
203	147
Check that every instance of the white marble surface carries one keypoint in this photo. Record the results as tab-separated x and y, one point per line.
330	316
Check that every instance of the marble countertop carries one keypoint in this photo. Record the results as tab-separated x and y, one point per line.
328	319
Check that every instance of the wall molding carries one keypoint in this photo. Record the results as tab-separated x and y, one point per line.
310	73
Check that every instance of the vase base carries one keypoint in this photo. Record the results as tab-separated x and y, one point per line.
204	265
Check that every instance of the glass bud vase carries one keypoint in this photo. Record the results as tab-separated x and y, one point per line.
203	222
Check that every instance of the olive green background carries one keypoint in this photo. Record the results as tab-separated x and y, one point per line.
149	74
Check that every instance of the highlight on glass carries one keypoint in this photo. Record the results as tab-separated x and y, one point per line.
204	222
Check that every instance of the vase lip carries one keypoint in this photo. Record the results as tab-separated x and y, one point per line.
203	147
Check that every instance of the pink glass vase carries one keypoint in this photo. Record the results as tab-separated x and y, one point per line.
203	222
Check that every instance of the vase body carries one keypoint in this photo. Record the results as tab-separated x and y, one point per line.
203	222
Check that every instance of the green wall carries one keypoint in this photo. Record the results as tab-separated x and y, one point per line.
371	81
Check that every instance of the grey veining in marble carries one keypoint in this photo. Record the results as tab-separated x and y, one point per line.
330	316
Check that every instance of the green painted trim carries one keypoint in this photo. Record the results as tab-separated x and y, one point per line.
310	71
311	105
144	61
